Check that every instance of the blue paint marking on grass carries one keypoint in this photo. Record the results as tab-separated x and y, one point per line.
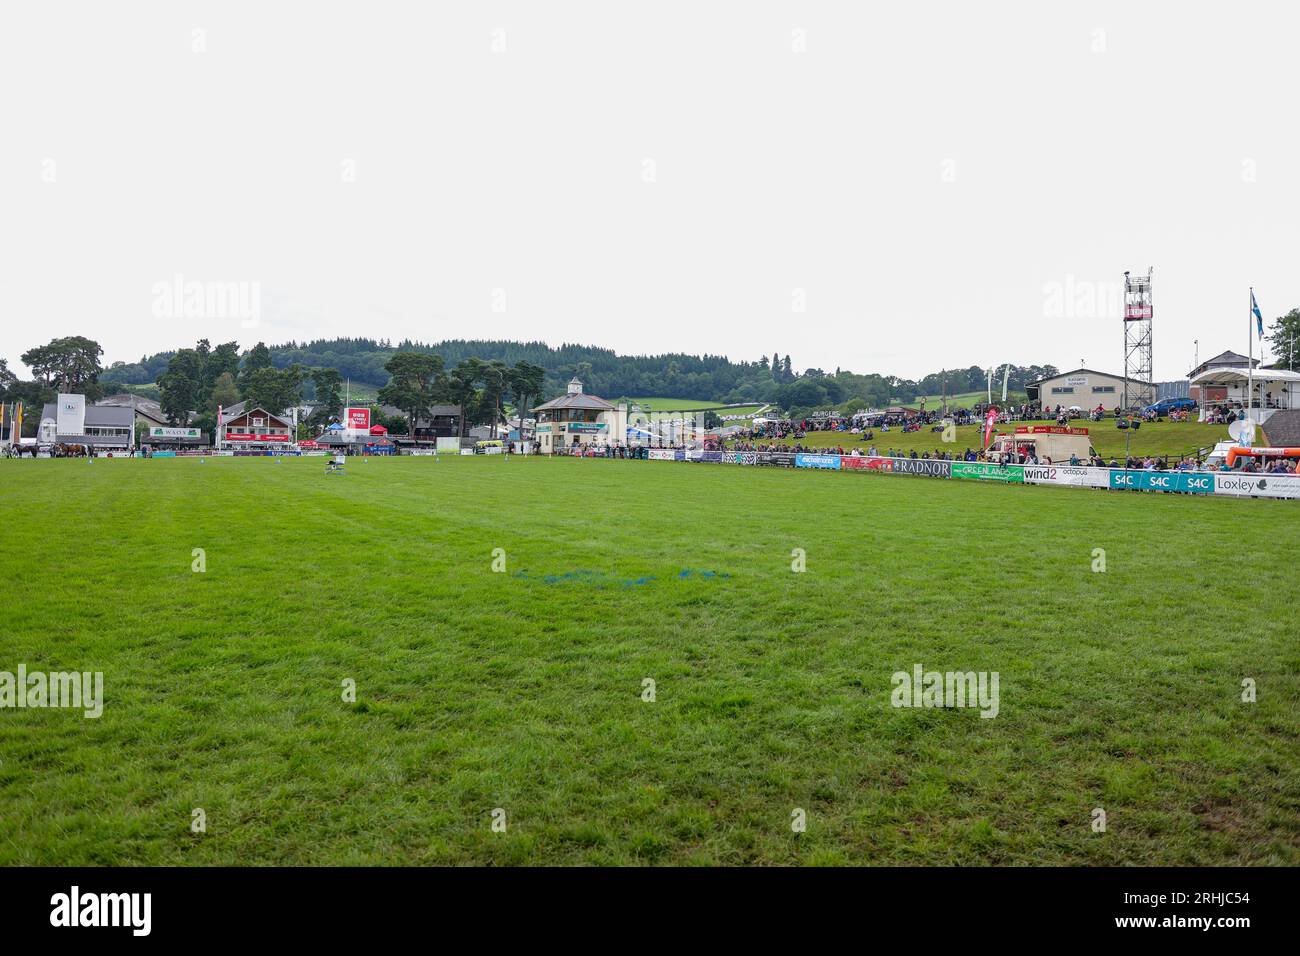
691	572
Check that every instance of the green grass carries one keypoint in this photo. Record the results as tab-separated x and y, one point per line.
690	405
1157	438
969	399
522	690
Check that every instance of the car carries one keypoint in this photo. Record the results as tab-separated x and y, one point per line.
1167	405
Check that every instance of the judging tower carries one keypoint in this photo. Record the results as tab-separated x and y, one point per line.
1138	388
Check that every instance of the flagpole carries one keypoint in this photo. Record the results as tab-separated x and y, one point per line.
1250	355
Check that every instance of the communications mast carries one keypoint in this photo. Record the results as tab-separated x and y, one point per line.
1138	386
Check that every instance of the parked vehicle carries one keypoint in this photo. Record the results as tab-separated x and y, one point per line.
1167	405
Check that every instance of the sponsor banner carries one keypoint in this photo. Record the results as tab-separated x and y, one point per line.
585	428
931	467
872	463
358	419
740	458
803	460
1196	482
251	436
1192	482
164	454
710	456
70	415
1068	475
1049	430
784	459
661	454
985	471
158	432
1262	486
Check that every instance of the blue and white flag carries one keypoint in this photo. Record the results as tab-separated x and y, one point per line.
1254	308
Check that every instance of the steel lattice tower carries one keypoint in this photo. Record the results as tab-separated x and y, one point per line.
1139	389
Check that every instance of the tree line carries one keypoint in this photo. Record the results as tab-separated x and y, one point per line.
769	379
480	375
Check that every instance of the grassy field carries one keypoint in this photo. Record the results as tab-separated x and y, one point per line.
690	405
969	399
1157	438
523	690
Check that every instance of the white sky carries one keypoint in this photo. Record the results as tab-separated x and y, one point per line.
923	172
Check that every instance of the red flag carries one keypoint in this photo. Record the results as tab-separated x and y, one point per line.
989	422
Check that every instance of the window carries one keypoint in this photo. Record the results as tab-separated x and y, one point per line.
1063	390
1106	389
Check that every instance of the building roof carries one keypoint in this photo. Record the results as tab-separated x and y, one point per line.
1227	359
437	411
1240	376
576	400
1077	371
243	408
232	411
147	407
97	416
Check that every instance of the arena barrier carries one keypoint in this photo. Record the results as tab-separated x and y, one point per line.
1237	484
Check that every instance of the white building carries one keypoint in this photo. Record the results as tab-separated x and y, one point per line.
576	419
1086	388
70	421
245	428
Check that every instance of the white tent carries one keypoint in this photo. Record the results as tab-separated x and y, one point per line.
1274	389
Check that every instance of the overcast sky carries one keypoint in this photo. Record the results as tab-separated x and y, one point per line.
932	184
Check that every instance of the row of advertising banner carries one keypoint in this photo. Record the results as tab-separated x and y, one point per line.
1183	482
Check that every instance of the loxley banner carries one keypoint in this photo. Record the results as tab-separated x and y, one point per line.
1257	486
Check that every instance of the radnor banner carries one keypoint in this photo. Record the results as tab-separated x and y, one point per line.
1067	475
931	467
1262	486
985	471
802	460
1192	482
740	458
